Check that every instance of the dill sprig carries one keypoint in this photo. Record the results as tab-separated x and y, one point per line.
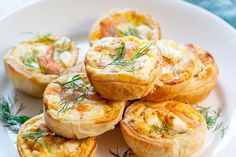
129	63
141	51
35	136
45	38
163	129
30	60
76	85
120	50
41	37
213	119
8	118
131	32
121	153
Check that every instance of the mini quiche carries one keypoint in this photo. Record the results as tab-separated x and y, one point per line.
123	68
126	22
35	139
166	129
178	69
33	63
204	79
73	110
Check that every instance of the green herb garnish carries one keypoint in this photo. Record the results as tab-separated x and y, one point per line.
129	63
79	90
8	118
131	32
163	129
213	119
122	153
30	60
35	136
45	38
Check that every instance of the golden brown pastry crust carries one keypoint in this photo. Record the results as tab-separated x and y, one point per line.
116	17
179	137
51	145
86	115
178	69
114	81
28	80
204	79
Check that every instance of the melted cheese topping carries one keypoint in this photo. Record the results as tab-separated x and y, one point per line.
49	144
166	119
179	63
127	55
46	54
78	101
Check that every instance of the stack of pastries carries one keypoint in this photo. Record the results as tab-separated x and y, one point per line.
129	75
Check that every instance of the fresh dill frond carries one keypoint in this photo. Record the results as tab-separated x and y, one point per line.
131	32
71	83
163	129
35	136
130	68
9	119
45	38
223	131
121	153
30	60
213	119
79	91
120	50
120	61
141	51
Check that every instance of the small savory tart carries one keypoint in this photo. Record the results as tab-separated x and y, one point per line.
126	22
33	63
204	79
166	129
178	69
123	68
35	139
73	110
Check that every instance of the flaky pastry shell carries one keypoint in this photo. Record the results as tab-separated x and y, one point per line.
74	110
179	66
33	63
36	139
126	22
166	129
204	79
123	68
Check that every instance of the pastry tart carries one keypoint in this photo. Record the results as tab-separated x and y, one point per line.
33	63
123	68
178	69
166	129
204	79
126	22
35	139
73	110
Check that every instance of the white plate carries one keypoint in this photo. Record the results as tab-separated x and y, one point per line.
179	21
